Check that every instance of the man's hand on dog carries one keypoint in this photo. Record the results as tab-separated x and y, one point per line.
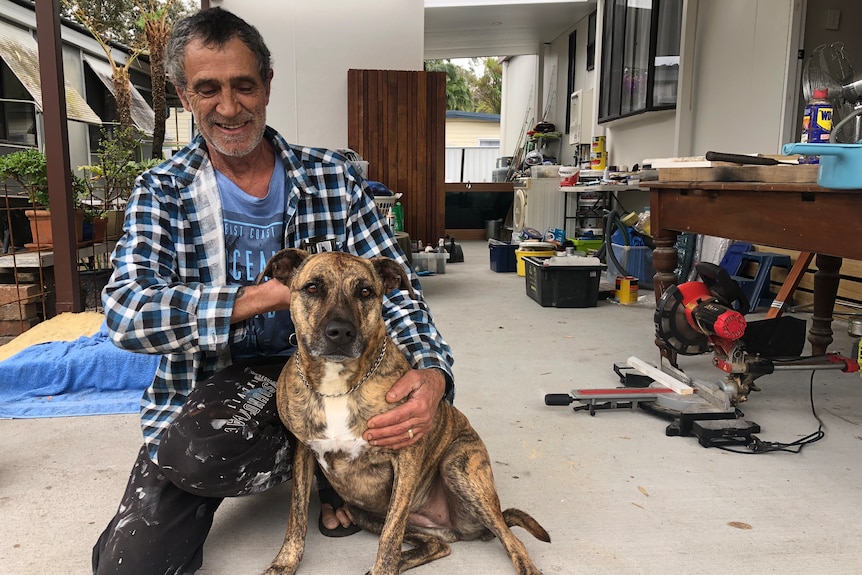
405	424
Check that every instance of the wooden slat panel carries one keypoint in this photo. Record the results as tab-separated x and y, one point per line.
399	128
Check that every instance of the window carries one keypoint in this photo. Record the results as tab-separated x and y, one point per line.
489	142
17	110
591	42
570	78
640	57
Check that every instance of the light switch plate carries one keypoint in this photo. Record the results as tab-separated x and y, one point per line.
833	19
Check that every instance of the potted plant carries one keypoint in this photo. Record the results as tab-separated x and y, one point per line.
109	182
30	170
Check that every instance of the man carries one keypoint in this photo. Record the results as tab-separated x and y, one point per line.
198	230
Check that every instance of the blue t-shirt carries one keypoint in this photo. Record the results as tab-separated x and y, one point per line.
253	233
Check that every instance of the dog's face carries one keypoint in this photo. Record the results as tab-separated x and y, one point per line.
336	299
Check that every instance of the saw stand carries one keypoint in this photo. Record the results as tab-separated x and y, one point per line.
704	409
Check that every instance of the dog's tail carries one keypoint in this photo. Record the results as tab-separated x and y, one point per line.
516	517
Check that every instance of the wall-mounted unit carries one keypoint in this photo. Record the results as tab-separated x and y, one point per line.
581	117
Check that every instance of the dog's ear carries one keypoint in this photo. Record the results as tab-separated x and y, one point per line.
283	265
392	274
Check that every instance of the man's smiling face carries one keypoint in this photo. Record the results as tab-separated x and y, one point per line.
227	96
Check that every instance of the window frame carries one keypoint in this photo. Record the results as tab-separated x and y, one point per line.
621	44
570	75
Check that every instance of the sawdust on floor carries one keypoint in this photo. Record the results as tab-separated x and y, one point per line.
63	327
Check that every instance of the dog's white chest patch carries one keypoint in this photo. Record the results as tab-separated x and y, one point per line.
337	436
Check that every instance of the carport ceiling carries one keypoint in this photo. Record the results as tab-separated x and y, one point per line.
477	28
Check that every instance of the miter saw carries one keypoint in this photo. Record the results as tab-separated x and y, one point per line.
700	317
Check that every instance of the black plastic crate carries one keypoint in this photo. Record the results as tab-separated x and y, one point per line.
562	285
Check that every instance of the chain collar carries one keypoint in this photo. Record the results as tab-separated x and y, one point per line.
352	389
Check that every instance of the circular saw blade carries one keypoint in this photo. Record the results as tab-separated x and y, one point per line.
673	328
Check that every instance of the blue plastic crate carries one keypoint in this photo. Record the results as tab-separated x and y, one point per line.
502	256
638	263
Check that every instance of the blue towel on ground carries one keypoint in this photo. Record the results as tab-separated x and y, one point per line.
88	376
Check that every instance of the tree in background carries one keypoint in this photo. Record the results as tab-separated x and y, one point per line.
488	88
144	27
467	92
105	36
157	30
458	80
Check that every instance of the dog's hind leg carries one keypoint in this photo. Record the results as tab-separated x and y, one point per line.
426	548
477	505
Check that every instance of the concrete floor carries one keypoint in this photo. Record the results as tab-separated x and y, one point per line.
616	494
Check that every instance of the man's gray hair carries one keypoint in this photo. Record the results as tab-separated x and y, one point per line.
215	28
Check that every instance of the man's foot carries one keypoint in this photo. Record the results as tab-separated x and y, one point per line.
334	519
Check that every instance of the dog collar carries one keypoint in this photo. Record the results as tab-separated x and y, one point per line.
352	389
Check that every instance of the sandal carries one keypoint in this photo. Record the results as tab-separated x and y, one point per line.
328	496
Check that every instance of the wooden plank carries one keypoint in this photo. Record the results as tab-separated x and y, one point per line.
659	376
800	267
721	172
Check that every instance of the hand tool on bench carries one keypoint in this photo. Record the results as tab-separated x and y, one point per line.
745	159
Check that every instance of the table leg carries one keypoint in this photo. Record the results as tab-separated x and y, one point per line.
825	289
664	259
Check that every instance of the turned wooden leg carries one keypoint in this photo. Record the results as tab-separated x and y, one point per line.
825	289
664	260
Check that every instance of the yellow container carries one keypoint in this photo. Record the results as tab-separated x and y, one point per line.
598	144
599	161
627	290
541	253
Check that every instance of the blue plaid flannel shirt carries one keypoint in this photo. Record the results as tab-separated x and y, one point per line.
168	293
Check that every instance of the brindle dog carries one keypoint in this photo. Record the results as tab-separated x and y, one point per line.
434	492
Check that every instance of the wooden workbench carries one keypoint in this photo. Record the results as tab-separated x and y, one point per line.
798	216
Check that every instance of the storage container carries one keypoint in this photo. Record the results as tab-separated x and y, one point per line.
585	245
502	256
538	249
562	285
430	262
637	261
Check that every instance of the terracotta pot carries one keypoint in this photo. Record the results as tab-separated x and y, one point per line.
43	234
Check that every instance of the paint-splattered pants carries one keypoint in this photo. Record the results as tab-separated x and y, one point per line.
227	441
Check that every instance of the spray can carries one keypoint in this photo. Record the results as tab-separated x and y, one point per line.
817	122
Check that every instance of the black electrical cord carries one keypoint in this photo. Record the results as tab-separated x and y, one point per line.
757	446
606	252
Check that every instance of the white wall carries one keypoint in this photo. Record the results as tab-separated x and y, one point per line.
314	44
556	58
518	100
734	85
740	75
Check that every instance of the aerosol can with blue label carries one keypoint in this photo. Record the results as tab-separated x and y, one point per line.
817	122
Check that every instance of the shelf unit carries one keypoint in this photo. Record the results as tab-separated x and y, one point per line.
590	204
